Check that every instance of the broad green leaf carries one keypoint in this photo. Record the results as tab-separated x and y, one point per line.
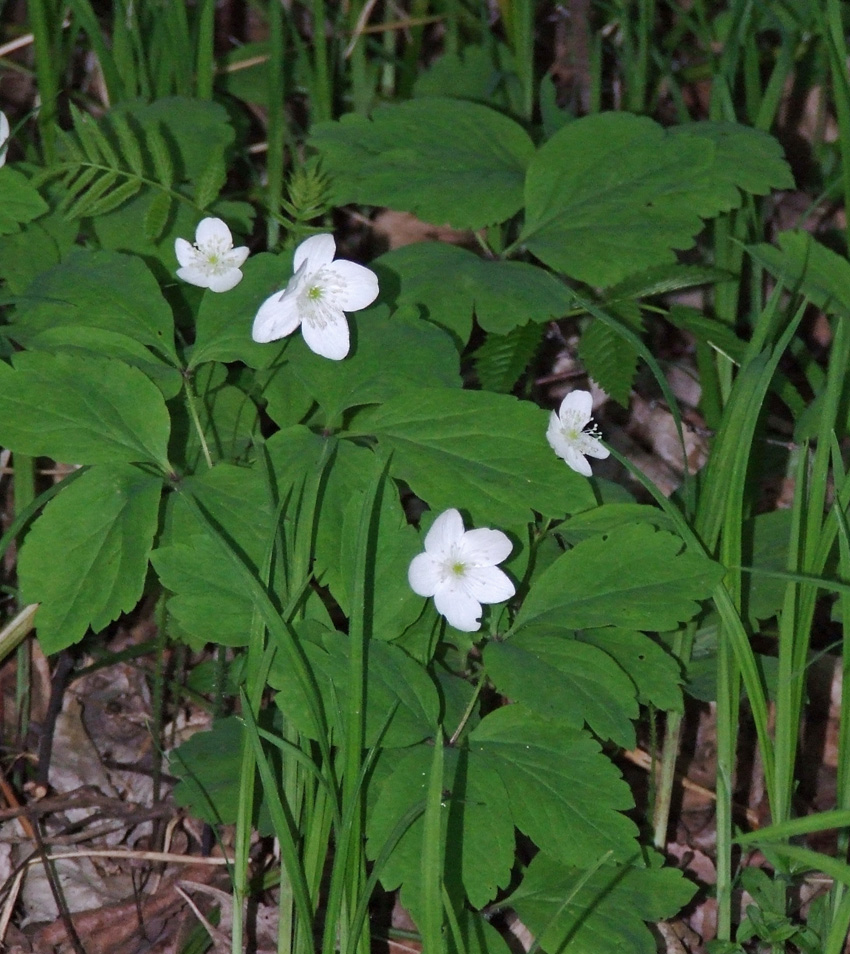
85	558
223	330
448	285
563	792
445	160
600	914
395	684
632	577
34	249
477	825
563	679
486	453
484	74
770	534
82	410
389	355
105	290
207	766
612	194
805	266
21	200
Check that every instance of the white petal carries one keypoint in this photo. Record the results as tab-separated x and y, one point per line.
212	230
277	317
555	435
4	135
488	584
485	547
460	609
576	409
184	251
225	280
424	574
577	461
360	284
446	533
592	447
194	276
330	340
318	250
236	256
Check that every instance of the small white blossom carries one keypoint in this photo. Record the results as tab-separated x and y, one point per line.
317	297
458	568
4	137
212	262
568	437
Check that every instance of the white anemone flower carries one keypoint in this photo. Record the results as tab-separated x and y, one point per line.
458	568
317	297
4	137
568	437
212	262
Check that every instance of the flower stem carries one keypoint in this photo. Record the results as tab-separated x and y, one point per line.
193	413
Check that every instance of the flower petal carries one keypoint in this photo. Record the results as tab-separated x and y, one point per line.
212	230
330	339
485	547
591	447
488	584
424	574
185	252
318	250
446	533
461	609
194	275
576	460
224	281
236	256
360	284
576	409
5	129
276	318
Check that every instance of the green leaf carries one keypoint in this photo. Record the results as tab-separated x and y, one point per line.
34	249
82	410
477	824
106	290
563	792
483	452
808	268
610	359
85	558
600	582
21	201
614	193
502	360
566	680
208	767
445	160
484	74
599	914
157	215
448	284
389	355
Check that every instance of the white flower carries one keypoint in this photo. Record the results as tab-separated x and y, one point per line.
212	262
568	437
4	137
317	296
458	568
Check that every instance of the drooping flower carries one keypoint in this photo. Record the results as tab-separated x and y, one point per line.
458	568
212	262
317	297
4	137
568	437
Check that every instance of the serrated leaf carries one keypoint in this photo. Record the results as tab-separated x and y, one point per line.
91	138
157	215
502	360
111	201
82	410
130	149
665	279
85	558
483	452
210	182
808	268
560	678
600	582
612	194
445	160
161	155
101	289
563	792
476	819
388	355
449	284
21	201
603	913
610	360
87	199
75	186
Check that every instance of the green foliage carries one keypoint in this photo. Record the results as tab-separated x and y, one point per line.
502	360
21	201
445	160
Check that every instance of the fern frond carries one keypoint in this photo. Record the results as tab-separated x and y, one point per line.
157	215
210	182
161	156
129	143
115	198
86	202
75	185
